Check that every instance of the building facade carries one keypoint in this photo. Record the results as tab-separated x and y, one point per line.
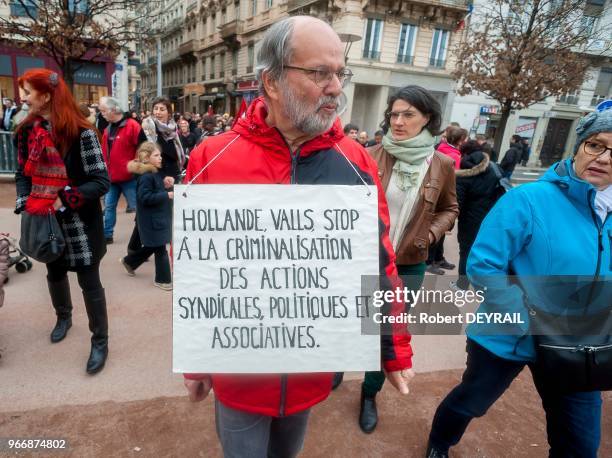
548	126
209	50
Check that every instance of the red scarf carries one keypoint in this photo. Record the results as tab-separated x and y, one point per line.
46	168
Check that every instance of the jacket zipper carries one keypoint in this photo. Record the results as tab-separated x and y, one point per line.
600	249
610	244
283	395
294	160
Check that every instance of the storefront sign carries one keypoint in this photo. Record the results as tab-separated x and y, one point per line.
90	73
246	86
525	127
489	109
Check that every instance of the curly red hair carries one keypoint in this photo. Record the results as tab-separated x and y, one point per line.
66	118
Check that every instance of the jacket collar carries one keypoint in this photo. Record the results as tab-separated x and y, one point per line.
562	174
476	170
254	128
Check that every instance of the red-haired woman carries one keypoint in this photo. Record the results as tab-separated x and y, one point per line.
61	167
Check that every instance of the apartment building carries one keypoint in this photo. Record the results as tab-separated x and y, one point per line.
549	126
210	47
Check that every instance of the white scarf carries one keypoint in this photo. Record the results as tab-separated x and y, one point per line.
402	202
603	203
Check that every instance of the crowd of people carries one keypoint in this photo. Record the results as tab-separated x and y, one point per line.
71	157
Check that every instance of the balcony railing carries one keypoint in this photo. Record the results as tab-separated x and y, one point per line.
568	99
405	59
369	54
437	63
293	5
231	29
187	47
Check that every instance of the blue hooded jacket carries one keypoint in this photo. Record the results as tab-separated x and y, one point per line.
538	231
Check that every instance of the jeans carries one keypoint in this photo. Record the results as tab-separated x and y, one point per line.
413	273
244	434
162	262
128	188
573	421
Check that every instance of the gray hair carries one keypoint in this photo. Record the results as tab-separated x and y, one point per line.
112	103
275	52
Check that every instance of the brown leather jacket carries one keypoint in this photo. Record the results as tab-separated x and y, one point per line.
435	211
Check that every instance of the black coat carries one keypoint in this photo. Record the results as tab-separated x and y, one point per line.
87	175
153	206
477	192
512	157
170	162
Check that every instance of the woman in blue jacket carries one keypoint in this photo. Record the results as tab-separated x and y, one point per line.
557	226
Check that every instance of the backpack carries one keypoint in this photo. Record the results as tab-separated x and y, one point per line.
503	184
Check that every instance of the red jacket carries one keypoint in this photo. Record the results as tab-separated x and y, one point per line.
452	152
127	139
260	155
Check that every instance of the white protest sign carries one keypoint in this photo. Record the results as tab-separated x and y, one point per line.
267	278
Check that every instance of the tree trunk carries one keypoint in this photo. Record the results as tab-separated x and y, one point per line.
68	70
501	128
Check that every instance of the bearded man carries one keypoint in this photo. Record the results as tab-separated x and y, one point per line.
291	135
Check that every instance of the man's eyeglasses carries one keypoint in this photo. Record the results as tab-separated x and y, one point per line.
322	78
595	149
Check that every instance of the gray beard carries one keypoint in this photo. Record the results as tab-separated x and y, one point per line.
303	117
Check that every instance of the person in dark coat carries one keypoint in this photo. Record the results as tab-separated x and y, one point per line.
153	214
513	156
188	138
62	170
477	192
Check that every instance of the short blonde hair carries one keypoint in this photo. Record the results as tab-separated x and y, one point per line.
145	150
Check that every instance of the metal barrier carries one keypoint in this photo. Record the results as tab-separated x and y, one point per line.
8	153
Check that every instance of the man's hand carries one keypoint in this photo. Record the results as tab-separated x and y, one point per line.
198	389
400	379
168	182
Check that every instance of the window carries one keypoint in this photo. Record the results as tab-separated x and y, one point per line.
222	64
237	9
269	4
587	25
203	69
407	39
602	89
571	98
437	57
212	67
26	8
250	58
253	7
234	62
223	16
78	6
373	39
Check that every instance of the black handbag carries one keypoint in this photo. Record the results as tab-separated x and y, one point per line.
41	237
573	352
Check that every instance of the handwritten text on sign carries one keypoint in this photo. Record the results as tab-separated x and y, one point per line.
267	278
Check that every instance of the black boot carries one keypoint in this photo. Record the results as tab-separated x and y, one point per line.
338	376
95	304
368	414
433	452
60	298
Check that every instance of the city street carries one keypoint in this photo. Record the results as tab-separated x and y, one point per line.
137	407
